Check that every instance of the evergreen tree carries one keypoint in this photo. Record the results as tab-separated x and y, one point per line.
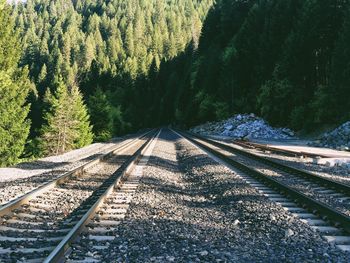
67	123
14	89
286	60
80	114
100	110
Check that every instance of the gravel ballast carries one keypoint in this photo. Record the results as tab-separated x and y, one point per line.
189	208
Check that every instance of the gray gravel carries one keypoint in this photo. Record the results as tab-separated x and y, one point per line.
189	208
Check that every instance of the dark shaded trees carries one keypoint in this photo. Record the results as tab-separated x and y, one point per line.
307	55
336	94
101	113
284	60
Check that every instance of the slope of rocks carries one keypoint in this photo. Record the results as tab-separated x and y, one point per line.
338	138
243	126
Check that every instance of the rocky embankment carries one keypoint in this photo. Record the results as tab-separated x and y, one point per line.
244	126
338	138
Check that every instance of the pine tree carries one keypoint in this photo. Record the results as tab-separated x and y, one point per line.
100	111
14	89
43	74
56	135
67	122
129	40
80	114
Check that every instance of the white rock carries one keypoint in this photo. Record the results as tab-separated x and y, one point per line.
170	258
236	222
288	233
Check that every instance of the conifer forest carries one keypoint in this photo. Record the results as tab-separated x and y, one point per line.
73	72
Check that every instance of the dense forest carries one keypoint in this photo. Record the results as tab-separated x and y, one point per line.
287	61
74	71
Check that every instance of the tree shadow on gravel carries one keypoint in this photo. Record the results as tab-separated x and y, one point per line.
201	186
38	165
164	186
207	196
169	165
91	157
37	179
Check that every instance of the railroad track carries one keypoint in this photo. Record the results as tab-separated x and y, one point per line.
268	149
12	190
40	226
318	201
94	242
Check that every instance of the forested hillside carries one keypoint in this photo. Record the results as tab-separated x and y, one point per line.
103	45
287	61
97	51
89	70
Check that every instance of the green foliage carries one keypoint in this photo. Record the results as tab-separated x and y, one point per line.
67	123
101	115
275	101
322	106
221	110
109	44
206	106
80	114
14	89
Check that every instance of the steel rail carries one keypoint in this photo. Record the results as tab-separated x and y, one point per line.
8	207
338	186
58	254
264	147
325	211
